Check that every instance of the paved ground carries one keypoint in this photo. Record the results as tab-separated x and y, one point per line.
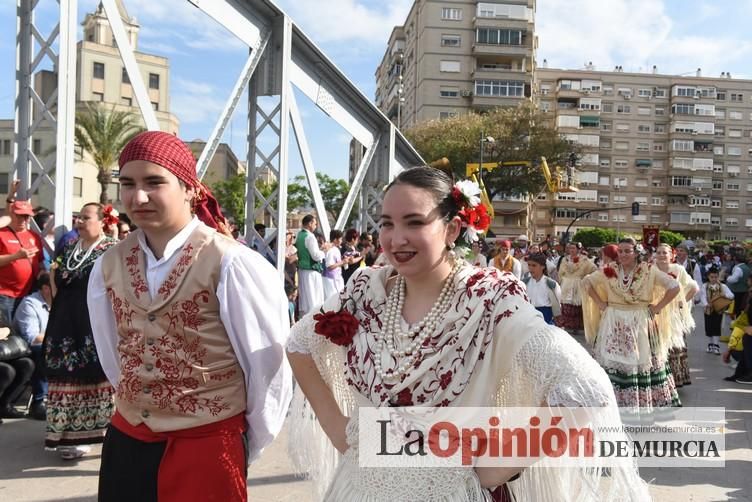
28	473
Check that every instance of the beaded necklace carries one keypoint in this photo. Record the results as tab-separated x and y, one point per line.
79	255
418	336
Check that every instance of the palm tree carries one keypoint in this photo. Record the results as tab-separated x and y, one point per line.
103	134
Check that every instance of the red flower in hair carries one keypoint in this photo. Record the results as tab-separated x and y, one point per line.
110	215
458	197
609	272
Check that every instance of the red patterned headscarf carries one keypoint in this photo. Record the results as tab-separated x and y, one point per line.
169	152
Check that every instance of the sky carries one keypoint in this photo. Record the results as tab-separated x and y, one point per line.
677	36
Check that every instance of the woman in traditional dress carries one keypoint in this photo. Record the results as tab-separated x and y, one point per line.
630	341
79	402
679	313
571	271
429	330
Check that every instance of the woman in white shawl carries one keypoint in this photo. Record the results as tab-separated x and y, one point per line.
429	330
679	313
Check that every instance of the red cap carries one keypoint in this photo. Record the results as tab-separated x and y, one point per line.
22	207
505	244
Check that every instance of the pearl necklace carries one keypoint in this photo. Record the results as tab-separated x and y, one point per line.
80	256
405	358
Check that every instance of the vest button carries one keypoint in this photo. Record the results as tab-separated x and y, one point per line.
150	341
147	390
145	414
149	366
152	318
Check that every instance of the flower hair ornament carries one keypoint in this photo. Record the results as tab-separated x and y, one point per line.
110	215
474	215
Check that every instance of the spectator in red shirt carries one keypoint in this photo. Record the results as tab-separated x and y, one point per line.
21	257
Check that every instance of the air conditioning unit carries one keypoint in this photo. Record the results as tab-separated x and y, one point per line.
467	94
733	175
696	96
585	91
627	96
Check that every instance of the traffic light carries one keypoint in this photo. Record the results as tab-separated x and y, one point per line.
635	208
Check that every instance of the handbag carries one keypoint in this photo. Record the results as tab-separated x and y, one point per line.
14	347
720	304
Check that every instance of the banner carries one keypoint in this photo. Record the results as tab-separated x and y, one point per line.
651	236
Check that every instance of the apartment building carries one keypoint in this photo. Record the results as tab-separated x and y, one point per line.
101	77
450	57
680	146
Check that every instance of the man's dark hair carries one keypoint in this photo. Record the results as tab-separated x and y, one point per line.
351	235
334	234
43	280
307	219
259	227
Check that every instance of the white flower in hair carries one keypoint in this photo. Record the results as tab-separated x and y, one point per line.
471	234
470	190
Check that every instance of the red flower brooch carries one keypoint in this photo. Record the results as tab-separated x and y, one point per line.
609	272
339	327
576	259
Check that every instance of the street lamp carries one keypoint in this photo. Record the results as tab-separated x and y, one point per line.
483	140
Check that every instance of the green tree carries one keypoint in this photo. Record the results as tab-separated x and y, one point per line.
595	237
103	133
230	194
520	134
671	238
334	192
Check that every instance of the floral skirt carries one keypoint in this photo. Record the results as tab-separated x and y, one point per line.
78	411
571	316
679	363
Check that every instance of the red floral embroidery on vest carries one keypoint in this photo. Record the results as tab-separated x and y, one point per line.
185	260
137	280
175	354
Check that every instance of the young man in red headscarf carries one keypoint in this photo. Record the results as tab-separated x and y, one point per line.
190	328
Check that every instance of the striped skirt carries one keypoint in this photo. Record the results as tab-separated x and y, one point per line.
679	363
78	411
571	316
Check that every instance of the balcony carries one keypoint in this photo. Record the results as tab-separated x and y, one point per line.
525	49
500	22
682	189
499	74
484	102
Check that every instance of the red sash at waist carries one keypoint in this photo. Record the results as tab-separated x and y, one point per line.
207	462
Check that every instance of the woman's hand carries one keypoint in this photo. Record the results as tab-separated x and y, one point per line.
336	430
748	330
4	333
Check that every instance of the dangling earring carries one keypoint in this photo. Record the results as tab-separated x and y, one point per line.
450	250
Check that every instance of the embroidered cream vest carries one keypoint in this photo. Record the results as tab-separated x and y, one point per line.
178	368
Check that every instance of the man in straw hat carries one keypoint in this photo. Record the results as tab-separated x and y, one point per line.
190	327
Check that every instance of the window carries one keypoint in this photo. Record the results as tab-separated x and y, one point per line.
124	79
155	106
734	187
732	204
620	199
503	11
97	96
623	109
737	97
98	71
4	187
126	101
603	217
622	127
643	128
643	110
449	66
113	192
718	149
78	187
449	92
681	163
720	131
717	185
606	126
153	81
498	36
685	91
451	14
720	113
605	181
605	145
643	147
644	93
621	163
659	110
607	163
715	202
5	145
621	145
451	40
733	150
735	115
446	115
659	128
659	93
659	147
680	145
720	96
603	199
656	201
641	182
683	108
735	133
657	164
36	146
681	181
607	107
499	88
